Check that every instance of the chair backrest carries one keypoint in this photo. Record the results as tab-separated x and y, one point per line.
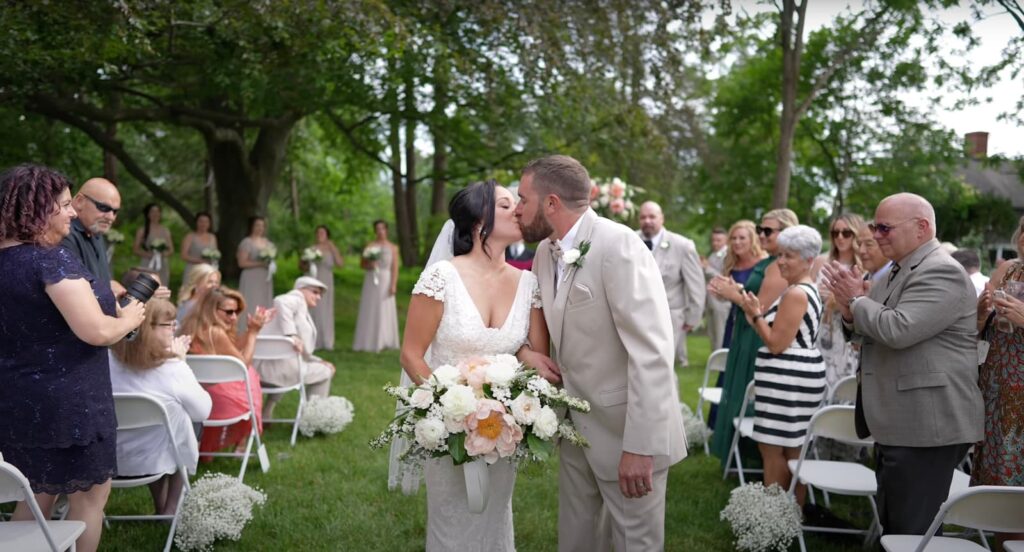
748	399
836	422
274	347
217	368
986	507
15	487
138	410
843	392
716	362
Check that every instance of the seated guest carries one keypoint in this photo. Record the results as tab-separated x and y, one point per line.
789	372
519	256
154	363
201	279
293	320
213	325
876	264
969	259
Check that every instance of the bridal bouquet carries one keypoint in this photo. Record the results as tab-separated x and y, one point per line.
483	408
613	199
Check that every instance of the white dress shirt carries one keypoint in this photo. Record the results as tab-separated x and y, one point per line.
567	242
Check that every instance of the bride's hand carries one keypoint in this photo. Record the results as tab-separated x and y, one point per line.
543	364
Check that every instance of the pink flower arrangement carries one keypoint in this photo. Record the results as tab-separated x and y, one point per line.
614	199
491	431
617	206
475	372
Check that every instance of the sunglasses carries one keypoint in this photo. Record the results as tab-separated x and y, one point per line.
884	229
102	207
166	324
845	232
765	231
230	312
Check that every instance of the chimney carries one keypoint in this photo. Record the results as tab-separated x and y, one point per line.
976	145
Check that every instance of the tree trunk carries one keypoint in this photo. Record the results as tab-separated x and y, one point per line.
411	256
438	197
792	48
109	161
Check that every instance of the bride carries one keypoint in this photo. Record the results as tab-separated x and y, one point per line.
473	305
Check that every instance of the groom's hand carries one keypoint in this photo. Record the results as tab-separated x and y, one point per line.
542	363
636	474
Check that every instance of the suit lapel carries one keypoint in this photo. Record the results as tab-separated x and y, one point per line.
569	276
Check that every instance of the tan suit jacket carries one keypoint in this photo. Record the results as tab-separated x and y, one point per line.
918	360
292	319
612	336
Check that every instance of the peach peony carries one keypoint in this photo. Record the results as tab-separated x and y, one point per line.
475	372
617	206
617	189
491	432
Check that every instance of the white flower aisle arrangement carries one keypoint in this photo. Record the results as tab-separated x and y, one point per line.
218	507
484	408
613	199
267	255
326	415
762	518
311	256
697	432
374	253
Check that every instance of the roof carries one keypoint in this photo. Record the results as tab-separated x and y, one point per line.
1000	180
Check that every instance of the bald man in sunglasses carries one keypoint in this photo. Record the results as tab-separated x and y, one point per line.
97	203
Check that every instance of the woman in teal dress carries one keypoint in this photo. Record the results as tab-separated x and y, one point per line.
767	283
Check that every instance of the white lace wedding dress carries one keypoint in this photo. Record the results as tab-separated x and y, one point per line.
461	335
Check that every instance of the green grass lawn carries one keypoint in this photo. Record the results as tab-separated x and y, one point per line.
330	493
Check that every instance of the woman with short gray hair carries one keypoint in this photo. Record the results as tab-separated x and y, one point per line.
789	372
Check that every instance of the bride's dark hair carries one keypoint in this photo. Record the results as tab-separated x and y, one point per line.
472	206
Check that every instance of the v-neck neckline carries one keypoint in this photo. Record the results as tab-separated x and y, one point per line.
479	315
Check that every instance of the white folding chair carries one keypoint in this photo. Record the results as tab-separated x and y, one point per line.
712	395
845	478
279	347
212	369
41	534
1014	546
984	508
743	426
843	392
136	411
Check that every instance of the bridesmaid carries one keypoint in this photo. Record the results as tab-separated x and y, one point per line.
377	326
323	312
256	281
147	236
195	242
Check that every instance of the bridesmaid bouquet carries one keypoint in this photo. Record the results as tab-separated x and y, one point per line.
210	255
482	408
157	245
374	253
114	237
267	254
310	256
613	200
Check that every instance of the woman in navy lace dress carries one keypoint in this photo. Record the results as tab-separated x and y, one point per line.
56	321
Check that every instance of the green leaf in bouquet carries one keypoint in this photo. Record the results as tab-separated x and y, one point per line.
457	448
539	447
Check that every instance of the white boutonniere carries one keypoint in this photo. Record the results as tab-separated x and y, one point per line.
664	244
574	258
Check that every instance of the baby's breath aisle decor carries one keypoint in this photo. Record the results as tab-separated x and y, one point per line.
477	412
217	507
326	415
613	199
697	432
761	518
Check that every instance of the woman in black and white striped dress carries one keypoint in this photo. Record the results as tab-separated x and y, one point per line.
789	373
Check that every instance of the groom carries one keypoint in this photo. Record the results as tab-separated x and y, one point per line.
612	334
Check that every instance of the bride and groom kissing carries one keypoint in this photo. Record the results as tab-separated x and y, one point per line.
592	317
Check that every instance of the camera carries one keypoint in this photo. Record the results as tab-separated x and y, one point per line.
142	289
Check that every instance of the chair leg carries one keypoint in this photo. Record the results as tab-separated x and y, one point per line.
876	523
248	451
298	415
800	539
177	516
739	465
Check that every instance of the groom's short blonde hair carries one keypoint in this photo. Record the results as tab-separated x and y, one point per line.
562	176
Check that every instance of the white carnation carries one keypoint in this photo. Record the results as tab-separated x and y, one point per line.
430	433
446	376
571	256
546	423
459	401
421	398
525	409
501	370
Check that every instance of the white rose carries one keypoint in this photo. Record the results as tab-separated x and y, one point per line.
546	423
430	433
422	398
458	401
501	370
455	425
525	409
446	376
571	256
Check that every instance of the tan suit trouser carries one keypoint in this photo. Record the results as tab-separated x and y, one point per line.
594	516
678	319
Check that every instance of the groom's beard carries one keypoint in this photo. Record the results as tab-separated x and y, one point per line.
537	230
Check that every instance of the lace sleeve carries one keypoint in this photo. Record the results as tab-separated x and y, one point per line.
432	282
57	264
535	300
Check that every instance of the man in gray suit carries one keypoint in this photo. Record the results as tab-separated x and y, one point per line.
918	395
680	268
717	309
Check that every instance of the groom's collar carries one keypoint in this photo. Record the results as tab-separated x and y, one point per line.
568	241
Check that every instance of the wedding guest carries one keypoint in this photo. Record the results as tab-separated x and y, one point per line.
999	457
201	280
968	258
212	325
97	204
742	258
918	395
154	364
58	424
255	257
876	265
195	242
679	264
718	310
767	282
323	311
293	320
789	373
519	256
148	240
841	358
377	325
